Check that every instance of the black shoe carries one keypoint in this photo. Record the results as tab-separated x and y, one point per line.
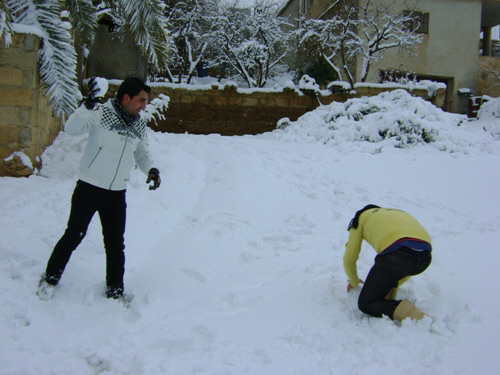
114	293
120	296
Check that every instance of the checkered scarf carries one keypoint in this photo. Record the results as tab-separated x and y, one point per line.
125	116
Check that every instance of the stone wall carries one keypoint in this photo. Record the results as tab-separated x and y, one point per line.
27	123
227	111
231	111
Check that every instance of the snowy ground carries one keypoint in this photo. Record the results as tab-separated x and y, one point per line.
236	261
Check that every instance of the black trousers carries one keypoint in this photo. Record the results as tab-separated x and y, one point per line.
385	274
111	206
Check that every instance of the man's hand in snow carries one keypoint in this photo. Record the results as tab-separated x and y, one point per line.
349	285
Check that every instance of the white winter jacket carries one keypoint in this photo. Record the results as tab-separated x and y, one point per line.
111	148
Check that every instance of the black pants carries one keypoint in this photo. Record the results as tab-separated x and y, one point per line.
385	274
111	206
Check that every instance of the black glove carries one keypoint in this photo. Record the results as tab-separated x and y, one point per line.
91	100
154	175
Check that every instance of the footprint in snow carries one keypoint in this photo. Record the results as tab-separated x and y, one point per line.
193	274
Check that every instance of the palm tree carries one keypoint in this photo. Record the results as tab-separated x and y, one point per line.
5	19
63	42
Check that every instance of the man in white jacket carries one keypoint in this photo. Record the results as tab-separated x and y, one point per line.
117	140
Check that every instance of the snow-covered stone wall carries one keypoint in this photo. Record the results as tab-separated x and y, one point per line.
229	110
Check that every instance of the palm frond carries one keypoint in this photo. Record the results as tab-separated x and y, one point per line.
5	21
83	17
146	22
57	56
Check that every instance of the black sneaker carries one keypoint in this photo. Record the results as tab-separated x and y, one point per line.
120	296
114	293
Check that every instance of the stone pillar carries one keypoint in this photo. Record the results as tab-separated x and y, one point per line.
27	123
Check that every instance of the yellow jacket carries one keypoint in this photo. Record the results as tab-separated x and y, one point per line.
380	227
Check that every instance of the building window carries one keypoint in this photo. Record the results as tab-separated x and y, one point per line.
419	22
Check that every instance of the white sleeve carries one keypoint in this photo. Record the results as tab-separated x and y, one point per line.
142	156
80	121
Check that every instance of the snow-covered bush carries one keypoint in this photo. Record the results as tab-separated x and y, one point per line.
155	109
393	119
339	87
489	116
307	83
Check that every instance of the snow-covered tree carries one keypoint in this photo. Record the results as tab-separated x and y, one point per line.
143	20
358	34
252	45
335	40
190	23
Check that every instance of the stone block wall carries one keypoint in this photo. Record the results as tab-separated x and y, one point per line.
27	123
229	111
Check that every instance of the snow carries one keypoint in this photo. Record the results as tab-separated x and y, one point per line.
102	86
285	82
24	158
236	261
156	109
465	91
489	116
345	86
431	86
28	29
308	83
209	83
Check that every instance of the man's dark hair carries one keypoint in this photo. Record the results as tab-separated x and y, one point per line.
131	86
355	220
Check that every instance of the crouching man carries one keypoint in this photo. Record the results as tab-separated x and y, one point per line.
117	141
404	249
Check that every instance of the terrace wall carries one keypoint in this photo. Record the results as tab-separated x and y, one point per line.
232	111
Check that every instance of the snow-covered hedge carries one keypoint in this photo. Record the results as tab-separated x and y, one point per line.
394	119
489	116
